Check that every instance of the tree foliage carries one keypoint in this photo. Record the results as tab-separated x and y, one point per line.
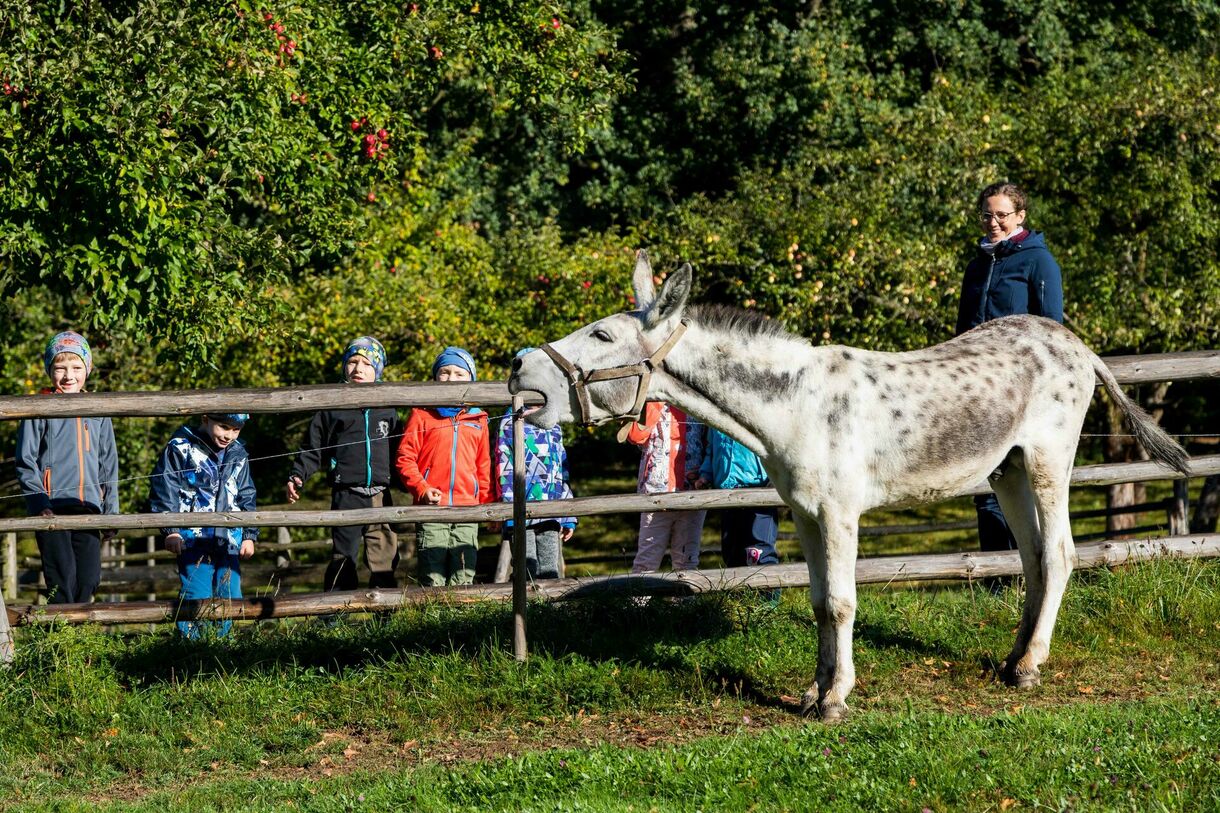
225	194
184	163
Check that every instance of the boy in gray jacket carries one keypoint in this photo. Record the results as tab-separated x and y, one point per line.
68	466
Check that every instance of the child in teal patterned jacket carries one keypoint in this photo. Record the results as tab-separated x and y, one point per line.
546	478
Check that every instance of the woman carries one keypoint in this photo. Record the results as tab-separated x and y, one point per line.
1012	273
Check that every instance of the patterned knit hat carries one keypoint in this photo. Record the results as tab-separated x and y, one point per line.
368	349
68	342
456	356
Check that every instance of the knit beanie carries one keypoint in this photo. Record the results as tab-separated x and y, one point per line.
456	356
68	342
368	349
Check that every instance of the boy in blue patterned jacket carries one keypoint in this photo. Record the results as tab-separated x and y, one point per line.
546	478
206	469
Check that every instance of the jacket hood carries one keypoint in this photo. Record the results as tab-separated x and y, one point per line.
1029	239
235	451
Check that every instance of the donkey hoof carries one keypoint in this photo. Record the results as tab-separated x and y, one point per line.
809	702
833	712
1027	680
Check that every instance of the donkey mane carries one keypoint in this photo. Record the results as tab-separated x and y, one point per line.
738	321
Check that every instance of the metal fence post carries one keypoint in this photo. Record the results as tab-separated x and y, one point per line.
520	651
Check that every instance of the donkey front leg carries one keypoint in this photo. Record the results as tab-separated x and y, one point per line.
839	610
810	534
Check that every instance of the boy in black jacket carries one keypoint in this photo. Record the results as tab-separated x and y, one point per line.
356	447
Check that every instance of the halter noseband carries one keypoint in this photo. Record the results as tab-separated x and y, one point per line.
643	369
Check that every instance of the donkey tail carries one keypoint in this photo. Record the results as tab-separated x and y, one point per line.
1153	438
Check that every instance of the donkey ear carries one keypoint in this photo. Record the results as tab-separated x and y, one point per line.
641	281
672	299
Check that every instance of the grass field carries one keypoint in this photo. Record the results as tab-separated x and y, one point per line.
686	705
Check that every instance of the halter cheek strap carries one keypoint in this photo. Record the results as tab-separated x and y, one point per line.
580	380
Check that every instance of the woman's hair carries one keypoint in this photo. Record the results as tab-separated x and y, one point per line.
1010	190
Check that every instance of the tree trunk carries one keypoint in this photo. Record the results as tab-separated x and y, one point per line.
1120	446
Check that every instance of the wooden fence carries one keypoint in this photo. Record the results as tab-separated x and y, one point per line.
1128	370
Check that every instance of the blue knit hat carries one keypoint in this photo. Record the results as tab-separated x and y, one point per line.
68	342
456	356
237	419
368	349
523	351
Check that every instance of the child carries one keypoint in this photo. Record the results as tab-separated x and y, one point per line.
356	445
747	535
68	466
445	459
206	469
546	478
664	453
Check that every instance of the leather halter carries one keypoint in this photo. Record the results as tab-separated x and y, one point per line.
643	369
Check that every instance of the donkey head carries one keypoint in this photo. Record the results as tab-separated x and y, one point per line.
622	340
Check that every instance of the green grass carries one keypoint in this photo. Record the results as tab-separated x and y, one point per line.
673	705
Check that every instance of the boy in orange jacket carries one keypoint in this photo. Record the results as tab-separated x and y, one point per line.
444	458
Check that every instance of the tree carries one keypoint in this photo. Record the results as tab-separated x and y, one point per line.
169	172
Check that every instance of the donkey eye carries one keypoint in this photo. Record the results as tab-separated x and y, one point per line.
602	335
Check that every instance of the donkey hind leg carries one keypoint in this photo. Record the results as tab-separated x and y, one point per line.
839	610
1049	476
812	546
1017	501
1046	482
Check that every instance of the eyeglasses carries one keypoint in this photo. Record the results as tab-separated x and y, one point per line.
998	217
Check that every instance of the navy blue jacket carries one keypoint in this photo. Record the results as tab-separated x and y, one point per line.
1020	277
357	446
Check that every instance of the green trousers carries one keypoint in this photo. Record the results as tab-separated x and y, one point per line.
447	552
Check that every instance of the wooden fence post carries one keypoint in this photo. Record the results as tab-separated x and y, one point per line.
150	547
520	651
503	560
10	566
6	637
1179	516
283	537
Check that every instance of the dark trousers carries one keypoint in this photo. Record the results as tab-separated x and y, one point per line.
71	564
994	533
380	545
747	536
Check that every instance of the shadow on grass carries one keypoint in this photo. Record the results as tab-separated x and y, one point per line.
595	628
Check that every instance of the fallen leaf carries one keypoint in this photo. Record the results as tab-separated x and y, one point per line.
1006	803
1085	689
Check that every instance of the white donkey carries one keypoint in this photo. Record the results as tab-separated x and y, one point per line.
841	430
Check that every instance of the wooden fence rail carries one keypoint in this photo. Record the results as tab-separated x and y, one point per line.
1128	370
882	570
